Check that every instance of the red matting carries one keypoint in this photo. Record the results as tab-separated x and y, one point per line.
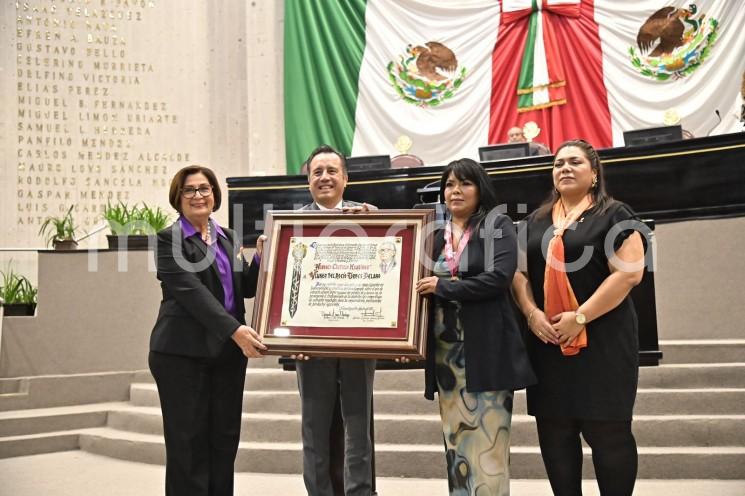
407	252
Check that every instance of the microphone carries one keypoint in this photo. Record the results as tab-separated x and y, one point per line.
719	121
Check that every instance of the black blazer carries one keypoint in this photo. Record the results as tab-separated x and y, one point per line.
192	320
495	355
344	203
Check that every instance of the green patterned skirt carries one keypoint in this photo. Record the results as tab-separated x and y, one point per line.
475	426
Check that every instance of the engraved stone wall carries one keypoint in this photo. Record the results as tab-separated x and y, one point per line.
104	100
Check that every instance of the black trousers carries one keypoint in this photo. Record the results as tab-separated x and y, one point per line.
201	400
614	454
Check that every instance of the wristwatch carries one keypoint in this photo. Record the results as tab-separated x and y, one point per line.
580	318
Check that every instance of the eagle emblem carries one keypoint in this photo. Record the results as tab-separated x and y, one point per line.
673	42
426	75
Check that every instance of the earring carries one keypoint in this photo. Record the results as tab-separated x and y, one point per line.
594	181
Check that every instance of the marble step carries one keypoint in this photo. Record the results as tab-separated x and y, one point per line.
648	401
671	376
36	444
649	430
10	386
674	375
703	351
22	393
64	418
427	460
720	363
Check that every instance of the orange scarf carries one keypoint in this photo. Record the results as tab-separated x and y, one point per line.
557	291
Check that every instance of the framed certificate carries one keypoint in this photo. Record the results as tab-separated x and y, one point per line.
344	284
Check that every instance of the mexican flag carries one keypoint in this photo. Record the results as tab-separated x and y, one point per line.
352	81
450	77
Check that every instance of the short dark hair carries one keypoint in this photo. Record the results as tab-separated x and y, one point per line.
326	149
177	185
467	169
600	197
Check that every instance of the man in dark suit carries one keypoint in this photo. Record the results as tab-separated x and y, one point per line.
319	379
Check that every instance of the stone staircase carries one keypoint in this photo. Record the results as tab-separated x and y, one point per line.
689	418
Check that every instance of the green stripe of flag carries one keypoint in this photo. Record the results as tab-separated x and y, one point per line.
526	69
324	44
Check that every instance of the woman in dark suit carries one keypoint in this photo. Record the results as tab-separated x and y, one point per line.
584	255
475	353
200	342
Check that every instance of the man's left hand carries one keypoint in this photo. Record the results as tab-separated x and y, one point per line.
365	207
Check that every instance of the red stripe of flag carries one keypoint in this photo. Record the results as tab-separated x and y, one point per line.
586	114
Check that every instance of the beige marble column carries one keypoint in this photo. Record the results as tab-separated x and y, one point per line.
265	87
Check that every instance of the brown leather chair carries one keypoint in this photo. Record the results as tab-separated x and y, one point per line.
406	160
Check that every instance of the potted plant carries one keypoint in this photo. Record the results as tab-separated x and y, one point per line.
60	231
131	226
156	218
18	294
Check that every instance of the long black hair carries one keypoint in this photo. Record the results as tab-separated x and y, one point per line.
600	198
467	169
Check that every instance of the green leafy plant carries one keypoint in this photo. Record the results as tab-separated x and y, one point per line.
16	288
132	220
117	216
155	217
57	229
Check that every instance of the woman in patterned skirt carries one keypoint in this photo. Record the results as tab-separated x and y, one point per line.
475	353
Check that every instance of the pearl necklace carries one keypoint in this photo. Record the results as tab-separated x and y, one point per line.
207	238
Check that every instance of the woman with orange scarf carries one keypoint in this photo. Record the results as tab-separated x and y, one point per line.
584	255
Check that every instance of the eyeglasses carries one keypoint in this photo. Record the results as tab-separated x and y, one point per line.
189	192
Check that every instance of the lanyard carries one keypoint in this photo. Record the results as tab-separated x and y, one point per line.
452	257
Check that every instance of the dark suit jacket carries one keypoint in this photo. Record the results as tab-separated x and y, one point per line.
495	355
536	149
192	320
344	203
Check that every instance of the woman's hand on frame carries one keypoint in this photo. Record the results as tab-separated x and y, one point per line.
249	341
426	285
260	244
